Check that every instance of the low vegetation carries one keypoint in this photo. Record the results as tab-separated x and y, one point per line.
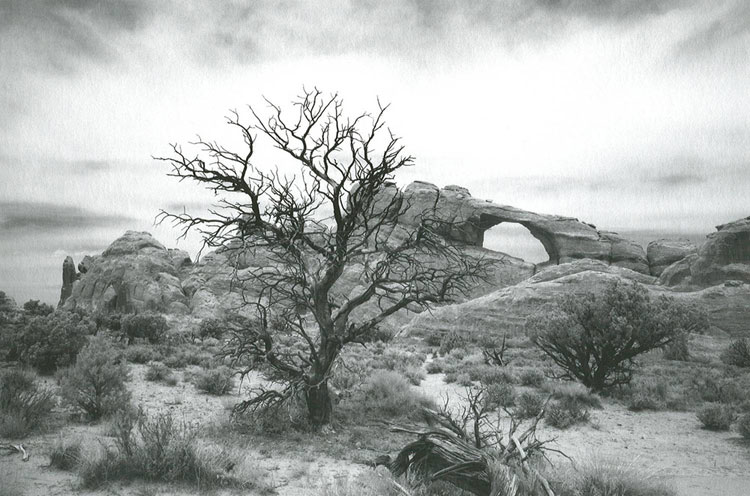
737	353
216	381
95	385
24	406
716	417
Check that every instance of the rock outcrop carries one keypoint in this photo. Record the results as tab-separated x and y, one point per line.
564	238
507	309
69	276
725	256
664	252
135	273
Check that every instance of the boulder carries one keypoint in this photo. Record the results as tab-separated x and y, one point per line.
664	252
725	256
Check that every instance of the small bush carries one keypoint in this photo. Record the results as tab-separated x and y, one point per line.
716	417
566	412
531	378
451	341
52	341
212	328
23	405
414	374
678	349
737	353
388	394
572	391
648	395
141	353
743	425
65	455
464	379
95	385
487	374
216	382
500	395
157	449
157	371
434	367
151	327
529	405
605	477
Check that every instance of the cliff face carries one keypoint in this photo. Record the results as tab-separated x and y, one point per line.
136	273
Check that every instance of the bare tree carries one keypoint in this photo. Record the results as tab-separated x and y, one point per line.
334	221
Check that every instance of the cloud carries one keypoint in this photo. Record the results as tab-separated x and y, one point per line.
18	216
721	32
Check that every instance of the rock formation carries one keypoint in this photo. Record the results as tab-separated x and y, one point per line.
564	238
135	273
69	276
725	256
664	252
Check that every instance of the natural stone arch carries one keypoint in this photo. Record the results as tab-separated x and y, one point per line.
490	224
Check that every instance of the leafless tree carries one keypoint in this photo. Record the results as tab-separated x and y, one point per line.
338	261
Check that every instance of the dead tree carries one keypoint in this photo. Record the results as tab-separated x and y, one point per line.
335	217
494	356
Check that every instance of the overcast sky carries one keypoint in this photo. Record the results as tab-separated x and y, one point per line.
631	114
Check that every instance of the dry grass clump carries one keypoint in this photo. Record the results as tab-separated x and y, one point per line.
531	378
218	381
606	477
158	449
387	394
529	405
65	455
23	405
158	372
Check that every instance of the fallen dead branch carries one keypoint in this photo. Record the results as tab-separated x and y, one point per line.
468	449
10	449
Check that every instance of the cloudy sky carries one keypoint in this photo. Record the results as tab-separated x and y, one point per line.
631	114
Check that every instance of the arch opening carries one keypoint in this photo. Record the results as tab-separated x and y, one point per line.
515	240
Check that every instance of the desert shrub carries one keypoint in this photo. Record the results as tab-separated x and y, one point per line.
434	367
713	389
112	322
572	391
499	395
142	353
595	337
217	381
33	308
95	385
65	455
414	374
51	341
381	333
737	353
648	395
566	412
716	417
487	374
388	394
606	477
450	341
157	371
463	379
212	328
529	405
148	326
23	405
743	425
187	355
531	378
157	449
678	349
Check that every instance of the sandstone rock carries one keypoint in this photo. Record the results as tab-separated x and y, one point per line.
69	276
724	256
507	309
664	252
134	274
564	238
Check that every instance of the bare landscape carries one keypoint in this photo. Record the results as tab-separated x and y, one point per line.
540	288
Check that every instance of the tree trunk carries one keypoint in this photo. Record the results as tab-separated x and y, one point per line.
319	405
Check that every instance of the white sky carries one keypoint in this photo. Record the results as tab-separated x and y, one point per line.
631	114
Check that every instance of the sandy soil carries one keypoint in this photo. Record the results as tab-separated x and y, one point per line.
669	445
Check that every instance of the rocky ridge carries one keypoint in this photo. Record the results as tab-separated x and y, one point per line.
136	273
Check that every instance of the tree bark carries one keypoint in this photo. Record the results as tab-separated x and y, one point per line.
319	405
